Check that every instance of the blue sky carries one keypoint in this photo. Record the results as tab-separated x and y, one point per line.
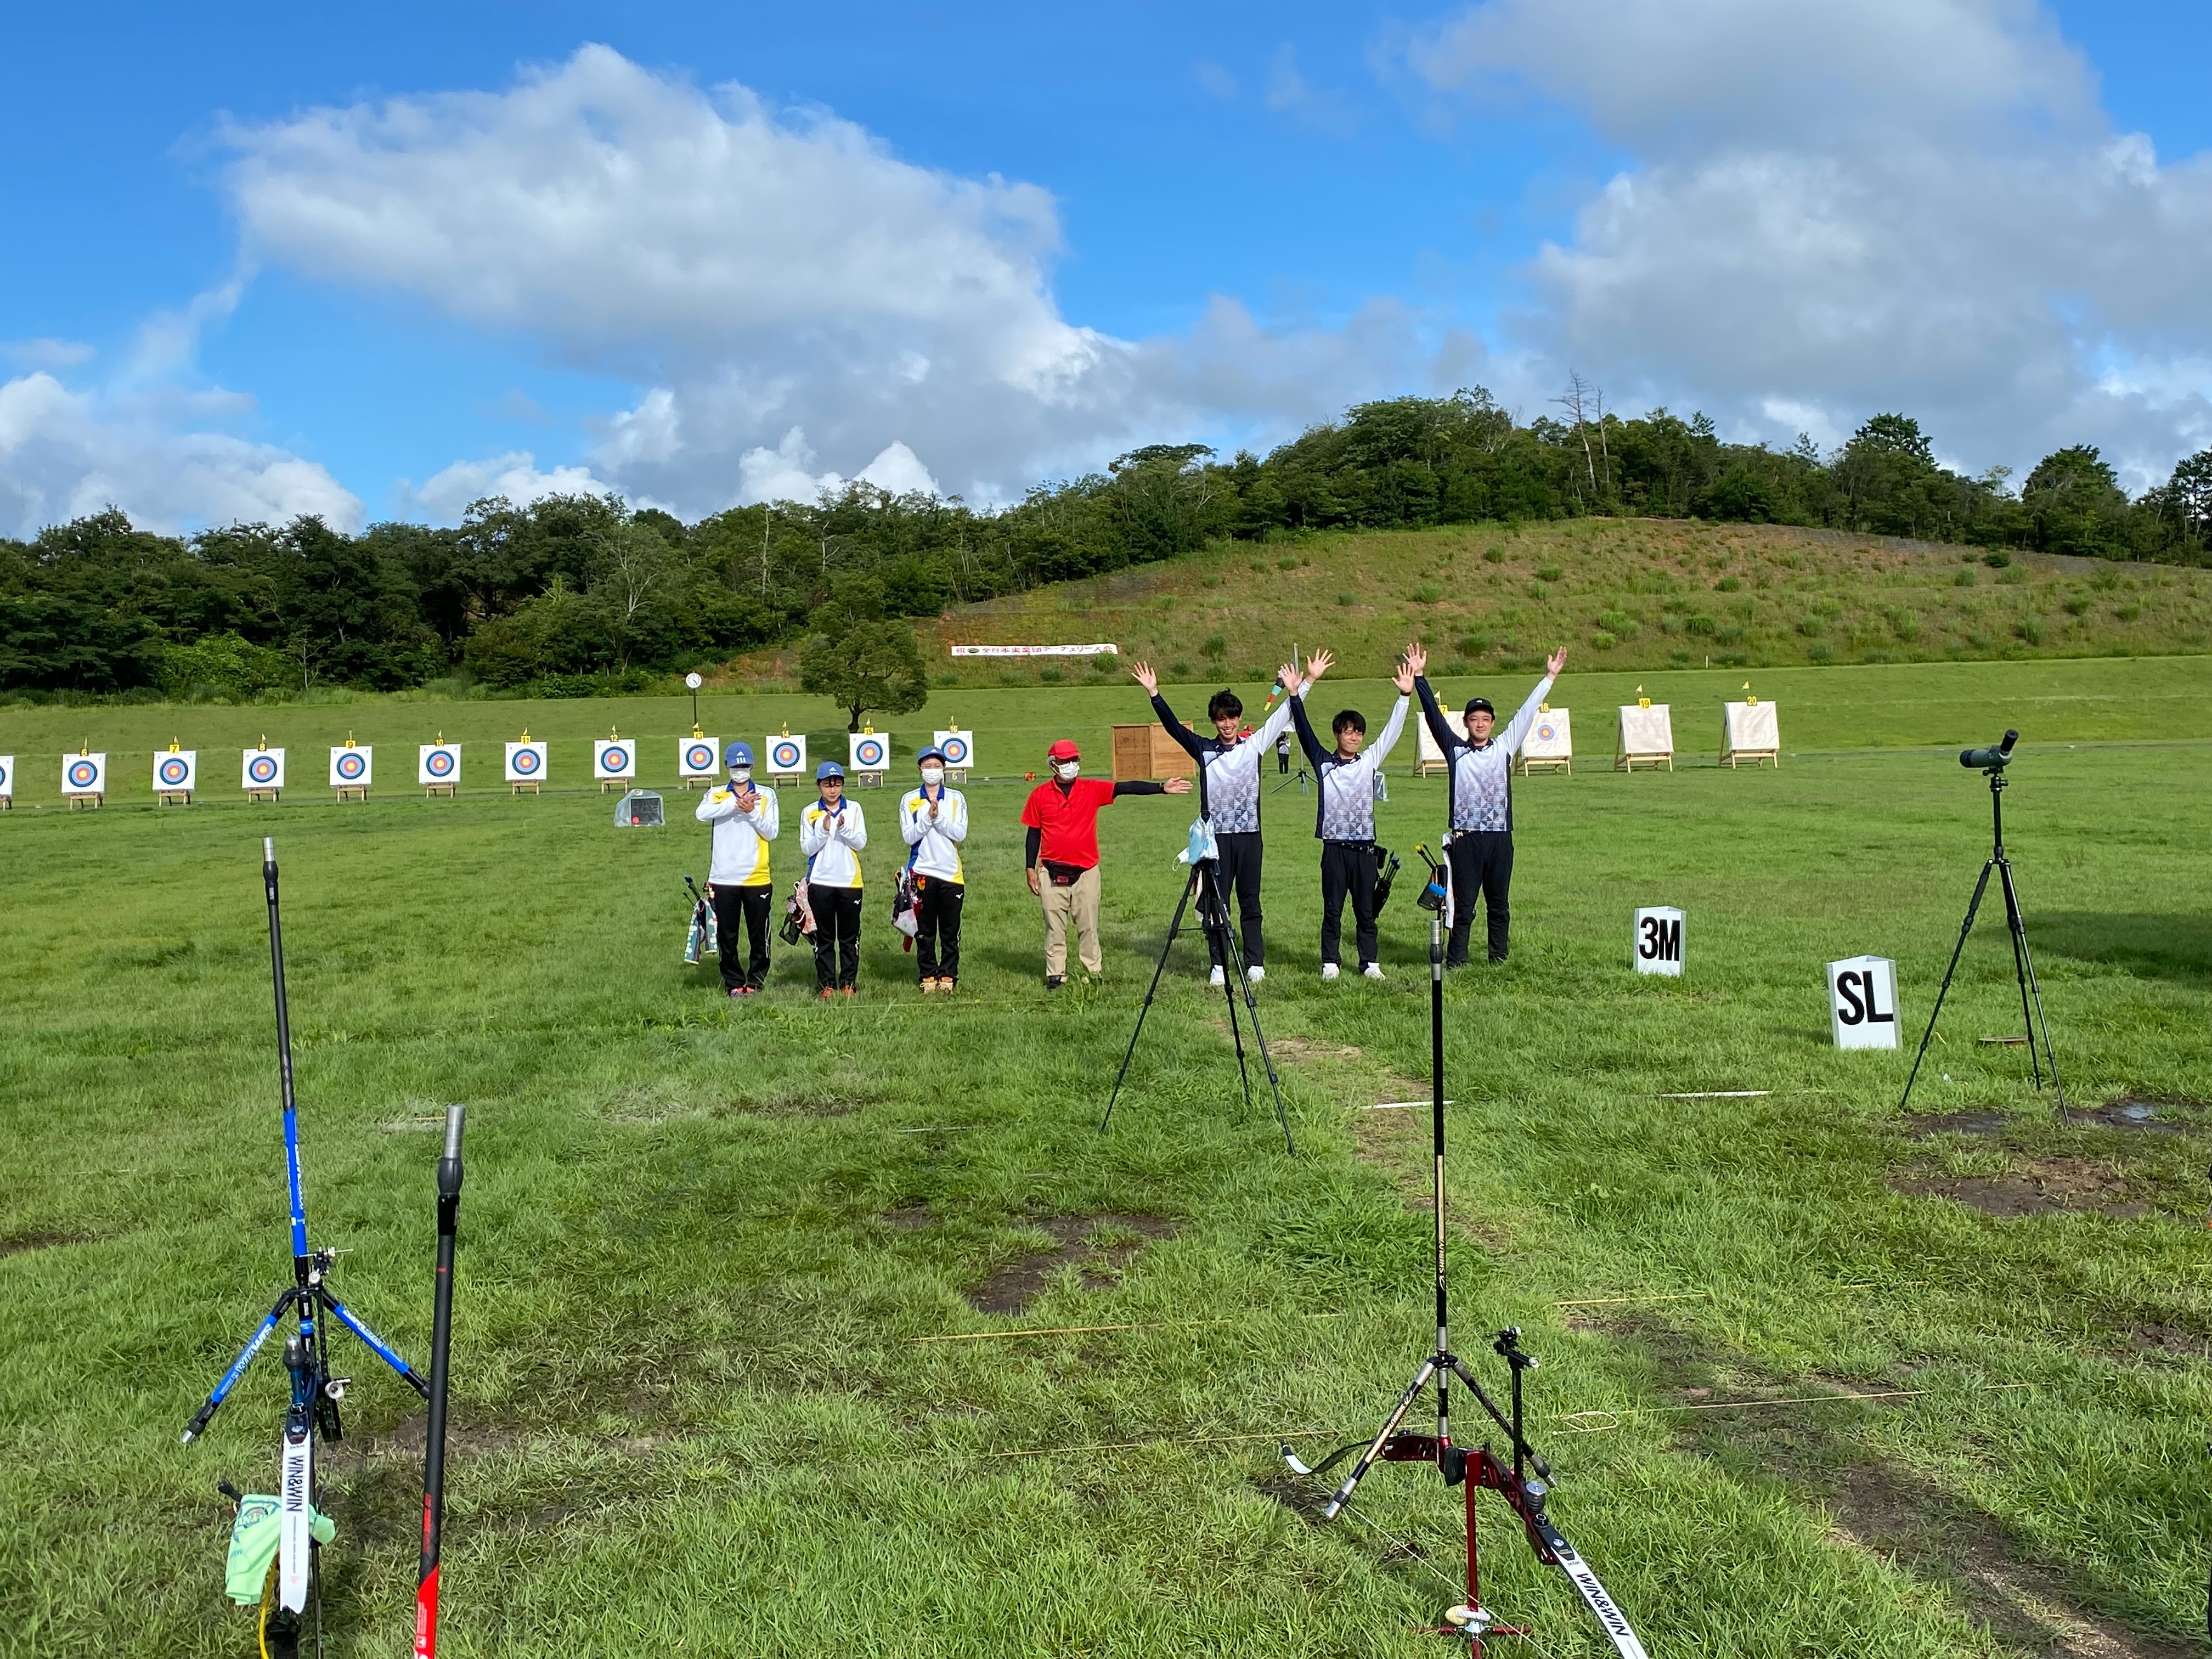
276	260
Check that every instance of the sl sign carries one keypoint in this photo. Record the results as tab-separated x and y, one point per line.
1862	1002
1656	940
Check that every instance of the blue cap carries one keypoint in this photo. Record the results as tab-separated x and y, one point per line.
931	753
738	754
828	769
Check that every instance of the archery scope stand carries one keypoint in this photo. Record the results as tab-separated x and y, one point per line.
1525	1483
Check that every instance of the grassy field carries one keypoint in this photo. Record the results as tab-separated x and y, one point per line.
704	1245
1634	595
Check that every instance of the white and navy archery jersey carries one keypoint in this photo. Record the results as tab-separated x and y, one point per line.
1228	773
1481	775
936	841
832	842
741	835
1346	811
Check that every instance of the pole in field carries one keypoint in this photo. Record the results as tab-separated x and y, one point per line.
434	1448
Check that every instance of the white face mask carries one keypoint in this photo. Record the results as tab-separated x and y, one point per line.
932	775
742	773
1068	771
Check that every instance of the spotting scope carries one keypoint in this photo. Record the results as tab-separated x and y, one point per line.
1993	759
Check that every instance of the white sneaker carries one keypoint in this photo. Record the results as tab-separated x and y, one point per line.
1216	977
1372	970
1256	974
1328	970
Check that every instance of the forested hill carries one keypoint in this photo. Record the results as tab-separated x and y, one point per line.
575	595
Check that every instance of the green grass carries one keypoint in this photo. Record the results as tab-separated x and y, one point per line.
698	1240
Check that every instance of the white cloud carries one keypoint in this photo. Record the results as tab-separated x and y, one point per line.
65	454
450	491
1869	204
760	272
46	353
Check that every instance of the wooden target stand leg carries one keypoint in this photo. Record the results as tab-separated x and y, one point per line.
173	798
89	802
355	791
530	784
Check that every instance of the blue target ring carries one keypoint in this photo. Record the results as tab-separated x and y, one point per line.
868	754
262	770
1546	731
614	759
956	751
351	765
439	763
699	757
174	771
783	757
82	774
526	760
4	777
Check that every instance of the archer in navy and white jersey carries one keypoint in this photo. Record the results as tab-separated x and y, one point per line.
1345	819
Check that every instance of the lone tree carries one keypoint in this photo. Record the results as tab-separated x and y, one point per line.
869	664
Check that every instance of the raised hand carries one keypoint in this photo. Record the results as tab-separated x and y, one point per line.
1417	660
1555	662
1403	679
1142	673
1318	665
1288	674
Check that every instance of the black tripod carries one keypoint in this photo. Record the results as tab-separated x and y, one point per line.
1523	1490
1992	762
1214	921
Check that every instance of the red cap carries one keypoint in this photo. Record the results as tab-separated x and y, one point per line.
1064	749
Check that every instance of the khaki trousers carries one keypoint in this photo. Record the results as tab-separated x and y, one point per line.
1079	905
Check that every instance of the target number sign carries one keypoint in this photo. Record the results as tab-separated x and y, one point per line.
786	754
526	762
871	752
1862	1002
176	771
1656	940
696	757
84	775
7	774
439	762
264	769
352	768
613	757
959	749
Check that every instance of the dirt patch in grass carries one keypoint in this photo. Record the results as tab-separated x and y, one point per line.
804	1102
2156	1340
909	1217
23	1242
2034	1186
1098	1246
1923	1124
2133	1112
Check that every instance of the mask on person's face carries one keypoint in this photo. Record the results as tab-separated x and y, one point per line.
1067	771
932	775
741	774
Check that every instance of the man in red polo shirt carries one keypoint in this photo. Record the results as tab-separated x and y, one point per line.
1062	816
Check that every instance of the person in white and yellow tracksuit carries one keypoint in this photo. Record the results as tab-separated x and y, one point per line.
746	818
933	821
832	833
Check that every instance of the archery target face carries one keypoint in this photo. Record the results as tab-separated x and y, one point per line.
7	774
959	749
613	759
786	754
1551	738
176	771
871	753
526	762
439	762
84	775
264	768
696	756
349	767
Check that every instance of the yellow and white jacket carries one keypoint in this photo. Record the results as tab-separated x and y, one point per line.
833	842
741	839
937	845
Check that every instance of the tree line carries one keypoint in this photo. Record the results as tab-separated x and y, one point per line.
573	595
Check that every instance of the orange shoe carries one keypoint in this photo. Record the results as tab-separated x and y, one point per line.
827	994
852	990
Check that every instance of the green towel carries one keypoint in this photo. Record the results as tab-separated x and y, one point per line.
254	1537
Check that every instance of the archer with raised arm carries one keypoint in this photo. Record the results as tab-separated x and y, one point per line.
1344	821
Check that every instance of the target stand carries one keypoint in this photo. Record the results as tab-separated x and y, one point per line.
91	800
347	792
521	784
440	791
173	798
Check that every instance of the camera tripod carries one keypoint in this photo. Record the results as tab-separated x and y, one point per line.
1525	1483
1213	920
2023	965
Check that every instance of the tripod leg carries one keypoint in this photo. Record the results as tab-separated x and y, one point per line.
214	1401
377	1344
1965	928
1174	927
1234	954
1343	1494
1213	919
2030	989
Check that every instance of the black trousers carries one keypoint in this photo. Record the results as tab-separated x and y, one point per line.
1481	862
1347	871
936	939
836	933
1237	872
750	905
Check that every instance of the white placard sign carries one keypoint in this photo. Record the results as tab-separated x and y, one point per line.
263	769
1646	731
438	763
84	775
613	757
1752	726
353	767
1862	1002
786	755
868	752
959	748
1550	739
176	771
526	761
698	757
1654	940
6	777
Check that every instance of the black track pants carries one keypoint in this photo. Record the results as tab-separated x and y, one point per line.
836	933
937	937
1238	871
1347	871
1481	862
750	905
